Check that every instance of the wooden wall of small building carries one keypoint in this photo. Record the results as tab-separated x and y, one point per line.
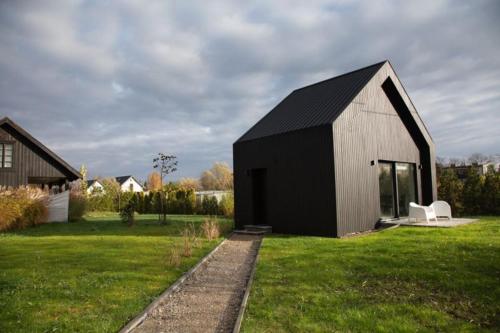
300	181
28	161
369	130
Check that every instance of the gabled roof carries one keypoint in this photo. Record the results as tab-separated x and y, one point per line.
314	105
6	122
123	179
92	182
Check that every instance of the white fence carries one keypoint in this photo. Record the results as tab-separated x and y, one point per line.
217	194
58	207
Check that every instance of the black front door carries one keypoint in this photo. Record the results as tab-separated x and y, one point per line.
259	196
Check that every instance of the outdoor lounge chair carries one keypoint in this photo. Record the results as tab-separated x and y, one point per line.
442	209
421	212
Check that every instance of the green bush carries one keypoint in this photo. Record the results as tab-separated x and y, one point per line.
472	193
100	203
450	190
209	205
226	205
477	195
77	206
127	213
490	194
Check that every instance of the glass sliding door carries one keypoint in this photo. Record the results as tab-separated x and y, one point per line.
405	176
386	184
397	184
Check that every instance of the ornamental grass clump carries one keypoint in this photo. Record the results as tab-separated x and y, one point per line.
190	239
211	229
22	207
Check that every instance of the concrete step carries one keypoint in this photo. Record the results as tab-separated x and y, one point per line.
259	227
249	232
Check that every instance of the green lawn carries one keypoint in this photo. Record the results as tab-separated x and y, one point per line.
89	276
407	279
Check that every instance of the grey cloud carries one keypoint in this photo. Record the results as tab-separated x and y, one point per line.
110	84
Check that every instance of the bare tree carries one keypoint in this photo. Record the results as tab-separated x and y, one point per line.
441	161
166	164
457	161
478	158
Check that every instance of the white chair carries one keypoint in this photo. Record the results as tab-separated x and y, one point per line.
442	209
421	212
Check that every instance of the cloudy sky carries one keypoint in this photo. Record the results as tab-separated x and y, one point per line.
109	84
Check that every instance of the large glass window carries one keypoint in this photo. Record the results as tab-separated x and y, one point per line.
386	183
397	188
6	150
405	175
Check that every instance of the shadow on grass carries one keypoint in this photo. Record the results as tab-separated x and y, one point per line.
110	225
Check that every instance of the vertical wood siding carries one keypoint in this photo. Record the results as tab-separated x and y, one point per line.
370	129
28	161
300	181
321	180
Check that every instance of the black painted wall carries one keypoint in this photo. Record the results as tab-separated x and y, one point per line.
300	181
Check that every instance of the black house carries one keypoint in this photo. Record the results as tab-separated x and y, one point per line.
26	161
335	157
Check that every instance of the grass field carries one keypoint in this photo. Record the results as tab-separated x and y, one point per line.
407	279
89	276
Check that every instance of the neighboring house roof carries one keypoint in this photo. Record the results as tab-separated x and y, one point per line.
69	171
92	182
313	105
123	179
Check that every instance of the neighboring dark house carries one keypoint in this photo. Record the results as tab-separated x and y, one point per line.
26	161
335	157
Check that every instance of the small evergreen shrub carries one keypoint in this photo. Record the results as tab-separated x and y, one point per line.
127	213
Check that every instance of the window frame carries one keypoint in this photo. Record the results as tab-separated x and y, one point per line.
395	184
2	152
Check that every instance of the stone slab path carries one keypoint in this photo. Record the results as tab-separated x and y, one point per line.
209	300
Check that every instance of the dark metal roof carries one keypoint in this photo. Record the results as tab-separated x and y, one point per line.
122	179
91	182
8	122
314	105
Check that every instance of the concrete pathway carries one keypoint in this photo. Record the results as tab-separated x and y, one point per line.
209	300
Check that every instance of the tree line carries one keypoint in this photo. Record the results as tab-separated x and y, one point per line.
475	195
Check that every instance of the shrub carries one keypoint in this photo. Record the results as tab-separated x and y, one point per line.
226	205
490	194
22	207
100	203
472	193
450	190
77	206
127	213
209	206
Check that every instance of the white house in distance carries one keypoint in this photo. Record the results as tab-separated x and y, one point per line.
217	194
94	186
129	184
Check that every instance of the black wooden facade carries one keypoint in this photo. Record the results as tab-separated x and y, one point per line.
29	161
311	165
